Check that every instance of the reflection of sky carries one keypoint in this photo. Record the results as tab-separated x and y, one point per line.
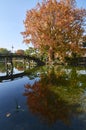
15	71
82	72
2	74
78	71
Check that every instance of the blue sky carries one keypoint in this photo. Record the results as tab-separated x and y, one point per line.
12	14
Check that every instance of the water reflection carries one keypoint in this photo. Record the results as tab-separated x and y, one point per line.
9	69
2	67
57	96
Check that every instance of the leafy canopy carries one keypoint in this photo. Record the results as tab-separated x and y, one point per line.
55	27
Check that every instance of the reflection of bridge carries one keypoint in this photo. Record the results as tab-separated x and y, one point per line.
11	77
9	58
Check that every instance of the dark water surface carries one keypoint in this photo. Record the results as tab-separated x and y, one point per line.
50	98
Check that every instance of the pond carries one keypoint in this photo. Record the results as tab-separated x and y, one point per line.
47	98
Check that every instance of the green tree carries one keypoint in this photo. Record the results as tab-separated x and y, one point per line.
4	51
31	51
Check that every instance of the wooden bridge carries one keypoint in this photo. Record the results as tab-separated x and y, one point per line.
9	58
78	61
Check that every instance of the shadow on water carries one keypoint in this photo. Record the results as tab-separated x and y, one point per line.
57	95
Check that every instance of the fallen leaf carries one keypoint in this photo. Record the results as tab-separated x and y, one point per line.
8	114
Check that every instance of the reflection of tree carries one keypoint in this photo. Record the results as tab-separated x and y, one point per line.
19	66
44	102
8	68
2	67
55	97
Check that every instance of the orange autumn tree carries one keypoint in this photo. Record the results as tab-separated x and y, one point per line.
55	27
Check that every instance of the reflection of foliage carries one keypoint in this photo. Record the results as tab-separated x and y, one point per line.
56	96
19	66
48	104
2	67
34	72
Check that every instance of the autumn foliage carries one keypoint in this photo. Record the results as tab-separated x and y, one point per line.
20	52
55	27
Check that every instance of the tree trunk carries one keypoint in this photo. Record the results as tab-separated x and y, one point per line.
51	55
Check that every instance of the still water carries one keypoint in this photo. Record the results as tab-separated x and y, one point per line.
47	98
